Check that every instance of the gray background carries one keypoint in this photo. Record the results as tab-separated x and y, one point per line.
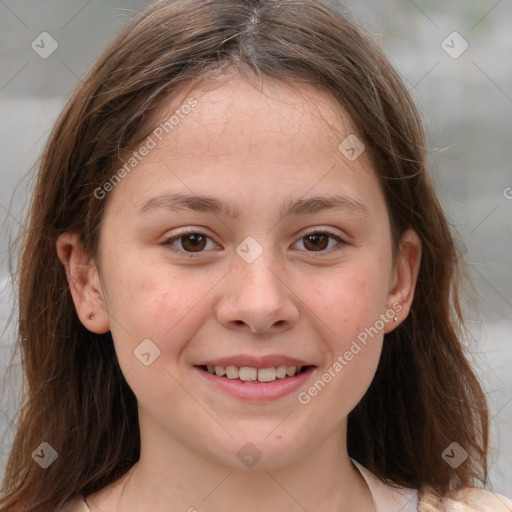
466	105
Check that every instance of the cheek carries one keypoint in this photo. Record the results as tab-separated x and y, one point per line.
153	314
349	298
349	303
157	302
349	307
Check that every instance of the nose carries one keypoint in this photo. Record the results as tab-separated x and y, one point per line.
256	298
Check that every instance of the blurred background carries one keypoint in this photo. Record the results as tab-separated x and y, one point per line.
455	58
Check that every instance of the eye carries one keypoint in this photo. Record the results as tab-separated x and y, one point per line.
194	242
318	241
188	241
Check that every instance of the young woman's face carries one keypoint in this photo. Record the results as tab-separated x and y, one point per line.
208	259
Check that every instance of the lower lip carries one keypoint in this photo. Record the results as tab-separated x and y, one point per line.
258	391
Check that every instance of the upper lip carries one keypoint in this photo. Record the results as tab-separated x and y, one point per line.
255	361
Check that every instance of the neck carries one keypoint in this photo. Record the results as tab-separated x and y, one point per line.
171	473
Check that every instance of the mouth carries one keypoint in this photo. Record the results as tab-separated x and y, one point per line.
258	383
253	374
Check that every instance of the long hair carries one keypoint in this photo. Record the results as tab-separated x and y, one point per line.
424	395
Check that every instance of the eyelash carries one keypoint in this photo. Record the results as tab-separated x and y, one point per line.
170	241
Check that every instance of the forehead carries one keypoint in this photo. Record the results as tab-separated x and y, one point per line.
238	134
238	106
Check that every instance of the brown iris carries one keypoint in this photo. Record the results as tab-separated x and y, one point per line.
321	239
193	242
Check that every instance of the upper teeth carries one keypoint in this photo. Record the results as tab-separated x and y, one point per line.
247	373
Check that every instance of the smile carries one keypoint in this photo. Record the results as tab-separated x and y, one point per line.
250	383
252	374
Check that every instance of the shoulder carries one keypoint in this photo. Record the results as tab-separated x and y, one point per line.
484	500
468	499
77	504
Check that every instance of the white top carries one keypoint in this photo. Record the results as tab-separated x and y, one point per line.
387	498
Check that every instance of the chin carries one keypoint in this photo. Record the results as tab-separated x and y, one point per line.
259	451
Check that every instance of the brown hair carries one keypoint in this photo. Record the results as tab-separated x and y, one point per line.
424	395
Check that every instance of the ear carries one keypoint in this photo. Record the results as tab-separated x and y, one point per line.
405	276
84	283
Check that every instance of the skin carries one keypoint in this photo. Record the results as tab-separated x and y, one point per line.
255	150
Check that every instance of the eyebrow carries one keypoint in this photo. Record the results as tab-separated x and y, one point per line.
202	203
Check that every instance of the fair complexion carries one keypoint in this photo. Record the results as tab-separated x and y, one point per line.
303	298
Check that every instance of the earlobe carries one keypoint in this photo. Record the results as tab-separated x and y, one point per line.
405	276
84	283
